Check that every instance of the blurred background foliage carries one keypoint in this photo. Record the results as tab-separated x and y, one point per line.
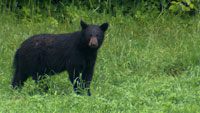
66	10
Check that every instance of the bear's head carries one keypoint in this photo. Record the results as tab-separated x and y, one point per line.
93	34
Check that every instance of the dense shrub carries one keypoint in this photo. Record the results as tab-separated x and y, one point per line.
60	9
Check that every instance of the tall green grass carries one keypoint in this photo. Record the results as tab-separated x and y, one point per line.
149	65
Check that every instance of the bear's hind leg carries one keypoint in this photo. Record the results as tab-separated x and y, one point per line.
19	79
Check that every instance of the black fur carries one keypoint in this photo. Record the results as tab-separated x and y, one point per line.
54	53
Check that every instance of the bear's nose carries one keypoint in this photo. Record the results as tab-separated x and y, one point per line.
93	45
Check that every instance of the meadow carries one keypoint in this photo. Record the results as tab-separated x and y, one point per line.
145	65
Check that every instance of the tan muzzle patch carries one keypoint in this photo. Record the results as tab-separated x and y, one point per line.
93	42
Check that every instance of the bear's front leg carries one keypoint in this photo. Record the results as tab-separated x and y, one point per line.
87	78
83	81
74	78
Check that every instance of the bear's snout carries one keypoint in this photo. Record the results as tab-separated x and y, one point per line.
93	42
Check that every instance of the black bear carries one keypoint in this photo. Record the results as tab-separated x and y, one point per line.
54	53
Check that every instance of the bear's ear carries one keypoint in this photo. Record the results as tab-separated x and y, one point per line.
83	25
104	27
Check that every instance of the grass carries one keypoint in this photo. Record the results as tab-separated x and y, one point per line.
148	65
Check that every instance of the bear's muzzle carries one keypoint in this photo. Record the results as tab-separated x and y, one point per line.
93	42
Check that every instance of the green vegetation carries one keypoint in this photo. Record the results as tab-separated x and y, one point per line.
65	10
146	64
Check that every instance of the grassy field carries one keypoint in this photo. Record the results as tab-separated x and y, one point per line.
144	65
